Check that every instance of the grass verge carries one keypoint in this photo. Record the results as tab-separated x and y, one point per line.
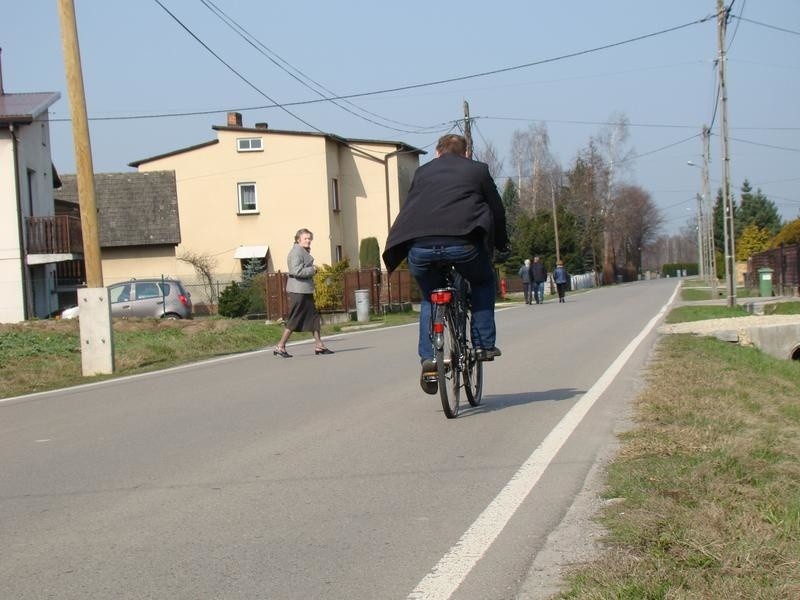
704	497
36	356
692	294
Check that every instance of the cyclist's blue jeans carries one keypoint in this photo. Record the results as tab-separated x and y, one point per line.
474	264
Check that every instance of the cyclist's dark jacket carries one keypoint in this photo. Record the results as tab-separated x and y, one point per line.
451	196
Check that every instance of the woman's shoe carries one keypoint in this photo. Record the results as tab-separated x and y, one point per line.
323	351
282	353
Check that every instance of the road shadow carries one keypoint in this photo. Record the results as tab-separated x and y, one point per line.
493	402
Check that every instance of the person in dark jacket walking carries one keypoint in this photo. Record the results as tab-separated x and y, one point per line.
453	214
525	275
561	277
539	276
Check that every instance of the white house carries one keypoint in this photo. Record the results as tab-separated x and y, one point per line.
32	238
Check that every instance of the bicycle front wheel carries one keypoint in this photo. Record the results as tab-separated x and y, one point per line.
473	378
447	365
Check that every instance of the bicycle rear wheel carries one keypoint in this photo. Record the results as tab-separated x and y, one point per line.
447	365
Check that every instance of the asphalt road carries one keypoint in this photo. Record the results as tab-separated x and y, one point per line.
317	476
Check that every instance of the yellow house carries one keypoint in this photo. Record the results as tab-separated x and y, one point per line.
243	196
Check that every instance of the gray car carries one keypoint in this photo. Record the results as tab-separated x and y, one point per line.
156	297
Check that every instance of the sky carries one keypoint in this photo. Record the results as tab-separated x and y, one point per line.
571	64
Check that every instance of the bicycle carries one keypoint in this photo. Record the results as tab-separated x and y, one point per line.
454	354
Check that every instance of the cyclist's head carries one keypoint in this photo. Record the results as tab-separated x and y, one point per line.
451	144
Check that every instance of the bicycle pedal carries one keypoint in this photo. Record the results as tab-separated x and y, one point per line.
430	377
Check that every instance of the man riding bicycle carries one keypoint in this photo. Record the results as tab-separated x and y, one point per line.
453	215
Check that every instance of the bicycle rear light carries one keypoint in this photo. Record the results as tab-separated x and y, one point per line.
441	296
438	328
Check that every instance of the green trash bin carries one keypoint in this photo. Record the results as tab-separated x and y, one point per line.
765	281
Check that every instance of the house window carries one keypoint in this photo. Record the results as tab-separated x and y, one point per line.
249	145
247	198
338	255
335	195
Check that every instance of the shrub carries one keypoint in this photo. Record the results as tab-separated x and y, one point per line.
234	301
329	285
790	234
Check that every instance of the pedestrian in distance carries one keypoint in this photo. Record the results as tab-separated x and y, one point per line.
525	275
538	276
303	313
453	215
561	277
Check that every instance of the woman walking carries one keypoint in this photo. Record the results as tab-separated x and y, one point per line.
561	277
303	313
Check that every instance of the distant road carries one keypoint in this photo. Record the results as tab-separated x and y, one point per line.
317	476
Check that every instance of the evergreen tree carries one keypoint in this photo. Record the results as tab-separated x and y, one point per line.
756	209
510	199
369	253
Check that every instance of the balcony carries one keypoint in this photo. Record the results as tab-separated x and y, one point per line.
54	235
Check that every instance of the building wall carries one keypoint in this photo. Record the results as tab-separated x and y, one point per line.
11	296
293	176
35	197
137	262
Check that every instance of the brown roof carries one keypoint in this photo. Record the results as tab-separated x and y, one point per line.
134	209
24	108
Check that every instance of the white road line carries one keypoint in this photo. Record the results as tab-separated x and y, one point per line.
454	566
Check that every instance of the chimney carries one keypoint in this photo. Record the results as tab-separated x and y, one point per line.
234	119
262	125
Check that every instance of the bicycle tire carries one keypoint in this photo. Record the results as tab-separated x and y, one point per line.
473	372
447	365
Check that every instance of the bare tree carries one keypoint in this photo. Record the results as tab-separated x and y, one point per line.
533	163
611	141
636	223
586	183
204	266
488	155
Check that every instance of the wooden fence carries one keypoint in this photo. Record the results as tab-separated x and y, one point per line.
386	291
785	264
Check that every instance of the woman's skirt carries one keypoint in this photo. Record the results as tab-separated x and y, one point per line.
303	313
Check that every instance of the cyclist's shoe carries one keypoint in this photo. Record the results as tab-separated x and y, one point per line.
429	379
487	354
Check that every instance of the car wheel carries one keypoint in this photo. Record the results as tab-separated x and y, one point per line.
172	316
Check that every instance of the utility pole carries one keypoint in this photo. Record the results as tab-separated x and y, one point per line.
468	129
96	333
727	203
701	251
555	219
711	254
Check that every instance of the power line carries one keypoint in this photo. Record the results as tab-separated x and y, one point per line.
766	145
269	53
234	71
399	88
767	25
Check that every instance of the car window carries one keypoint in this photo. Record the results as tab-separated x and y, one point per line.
119	293
147	290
